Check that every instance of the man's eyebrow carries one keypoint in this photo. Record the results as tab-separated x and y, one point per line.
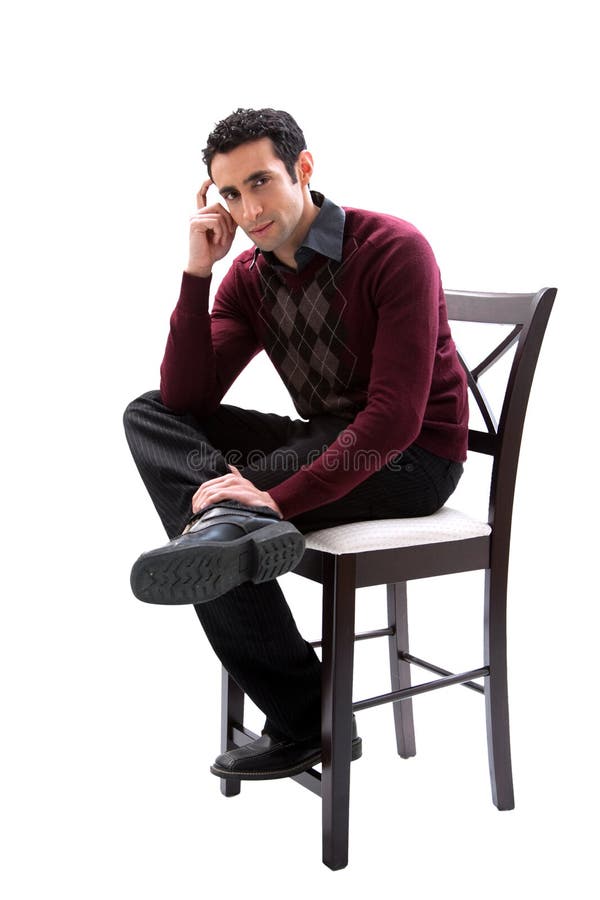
260	174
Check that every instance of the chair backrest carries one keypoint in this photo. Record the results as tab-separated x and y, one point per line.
528	314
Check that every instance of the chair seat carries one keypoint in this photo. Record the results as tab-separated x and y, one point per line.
383	534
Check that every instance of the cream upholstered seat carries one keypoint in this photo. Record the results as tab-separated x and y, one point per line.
393	552
385	534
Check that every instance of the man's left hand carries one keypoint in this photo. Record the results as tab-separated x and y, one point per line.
232	487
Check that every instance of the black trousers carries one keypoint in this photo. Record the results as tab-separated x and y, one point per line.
251	628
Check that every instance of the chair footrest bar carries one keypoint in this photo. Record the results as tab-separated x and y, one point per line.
421	688
241	735
364	635
415	661
311	779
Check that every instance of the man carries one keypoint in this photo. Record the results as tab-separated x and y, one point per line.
349	306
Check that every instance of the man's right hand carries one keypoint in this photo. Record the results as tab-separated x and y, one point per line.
211	235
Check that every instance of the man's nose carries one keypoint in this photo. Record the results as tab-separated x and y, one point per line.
252	209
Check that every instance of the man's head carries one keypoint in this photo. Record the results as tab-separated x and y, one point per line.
246	125
260	165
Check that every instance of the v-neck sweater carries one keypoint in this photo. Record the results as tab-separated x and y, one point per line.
366	339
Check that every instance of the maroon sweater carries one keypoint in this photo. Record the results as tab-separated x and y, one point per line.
366	339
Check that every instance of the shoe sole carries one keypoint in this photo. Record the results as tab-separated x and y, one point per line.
282	773
206	571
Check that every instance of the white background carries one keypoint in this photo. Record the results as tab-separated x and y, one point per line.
476	121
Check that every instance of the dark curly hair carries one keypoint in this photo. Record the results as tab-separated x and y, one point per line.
245	125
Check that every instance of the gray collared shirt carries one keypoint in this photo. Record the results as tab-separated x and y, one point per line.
325	236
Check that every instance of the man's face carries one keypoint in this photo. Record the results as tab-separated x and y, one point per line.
274	211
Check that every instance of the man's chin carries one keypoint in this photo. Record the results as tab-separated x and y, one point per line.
267	241
264	245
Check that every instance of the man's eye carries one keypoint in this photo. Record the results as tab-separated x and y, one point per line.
232	195
260	181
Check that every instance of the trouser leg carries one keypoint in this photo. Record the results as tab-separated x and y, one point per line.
253	632
173	457
251	628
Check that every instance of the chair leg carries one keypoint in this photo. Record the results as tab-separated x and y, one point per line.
336	721
399	669
496	690
232	713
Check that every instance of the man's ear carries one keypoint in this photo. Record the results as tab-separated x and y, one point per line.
305	167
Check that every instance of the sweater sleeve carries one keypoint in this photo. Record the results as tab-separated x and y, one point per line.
405	289
205	351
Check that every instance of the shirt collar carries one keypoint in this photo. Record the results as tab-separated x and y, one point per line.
325	236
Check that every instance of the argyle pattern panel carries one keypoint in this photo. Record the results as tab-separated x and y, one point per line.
304	338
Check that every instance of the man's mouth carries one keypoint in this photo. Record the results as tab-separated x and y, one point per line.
261	229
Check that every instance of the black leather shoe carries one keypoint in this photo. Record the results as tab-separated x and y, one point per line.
219	550
268	757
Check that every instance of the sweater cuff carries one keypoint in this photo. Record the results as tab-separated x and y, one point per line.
194	294
298	494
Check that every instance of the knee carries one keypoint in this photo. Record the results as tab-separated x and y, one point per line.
139	409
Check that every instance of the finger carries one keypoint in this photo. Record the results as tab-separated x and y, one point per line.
219	480
198	505
213	213
201	201
211	226
227	219
218	222
227	237
231	223
206	219
213	496
201	499
207	491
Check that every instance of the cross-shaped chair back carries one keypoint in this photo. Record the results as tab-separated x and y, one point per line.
528	314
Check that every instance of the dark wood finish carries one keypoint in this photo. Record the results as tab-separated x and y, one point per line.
363	636
406	563
310	779
397	609
480	442
496	354
496	688
339	578
421	561
481	401
341	574
232	714
426	688
423	664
